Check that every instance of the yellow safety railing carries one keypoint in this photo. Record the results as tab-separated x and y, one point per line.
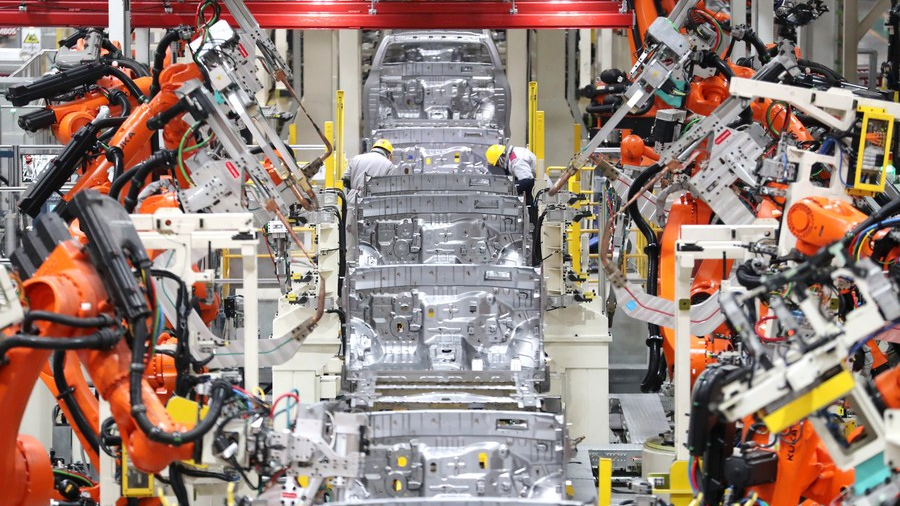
339	148
331	175
532	114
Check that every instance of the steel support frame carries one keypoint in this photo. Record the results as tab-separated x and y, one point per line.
336	14
185	233
700	242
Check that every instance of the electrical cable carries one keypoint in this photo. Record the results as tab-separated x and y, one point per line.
159	58
103	320
157	161
128	82
104	338
115	156
220	391
536	250
66	395
139	69
652	380
342	316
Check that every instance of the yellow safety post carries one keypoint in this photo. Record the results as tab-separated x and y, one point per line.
339	135
678	485
331	178
574	235
576	143
604	482
539	135
532	112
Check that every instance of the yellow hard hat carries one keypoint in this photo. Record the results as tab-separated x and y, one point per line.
384	144
494	153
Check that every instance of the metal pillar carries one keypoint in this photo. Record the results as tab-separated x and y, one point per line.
120	23
142	45
604	51
550	71
850	40
584	58
517	74
320	82
739	17
349	80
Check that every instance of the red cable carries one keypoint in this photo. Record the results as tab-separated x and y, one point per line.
762	336
282	396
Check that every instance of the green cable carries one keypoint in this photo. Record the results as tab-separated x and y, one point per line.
184	138
769	118
78	477
689	125
198	146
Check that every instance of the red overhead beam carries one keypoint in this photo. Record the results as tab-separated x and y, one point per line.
336	14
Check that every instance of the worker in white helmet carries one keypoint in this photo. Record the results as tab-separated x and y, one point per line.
377	162
520	163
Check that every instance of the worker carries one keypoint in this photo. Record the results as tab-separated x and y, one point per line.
520	163
377	162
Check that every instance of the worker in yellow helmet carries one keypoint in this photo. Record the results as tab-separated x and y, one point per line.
377	162
520	163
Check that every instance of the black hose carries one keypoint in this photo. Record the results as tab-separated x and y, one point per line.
162	119
108	122
102	320
220	391
176	483
343	317
747	278
536	250
200	473
342	239
66	395
139	69
119	182
159	58
119	97
711	59
127	81
652	252
103	339
106	439
115	156
822	70
109	46
182	356
139	173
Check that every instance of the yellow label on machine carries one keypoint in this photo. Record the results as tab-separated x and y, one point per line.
184	411
874	141
135	483
814	400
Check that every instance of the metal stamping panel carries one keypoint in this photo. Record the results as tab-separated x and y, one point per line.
435	453
421	318
418	183
457	228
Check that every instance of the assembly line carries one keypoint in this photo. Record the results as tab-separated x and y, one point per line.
435	318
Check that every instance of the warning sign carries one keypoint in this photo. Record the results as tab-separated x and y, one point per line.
31	41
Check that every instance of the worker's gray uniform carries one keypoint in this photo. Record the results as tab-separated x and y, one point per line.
371	164
522	164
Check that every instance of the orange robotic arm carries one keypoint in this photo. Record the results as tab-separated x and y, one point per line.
133	137
67	118
819	221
